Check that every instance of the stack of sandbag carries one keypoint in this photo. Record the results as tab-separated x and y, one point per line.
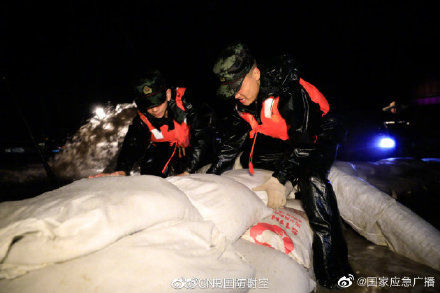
381	219
141	234
151	260
83	217
228	199
131	234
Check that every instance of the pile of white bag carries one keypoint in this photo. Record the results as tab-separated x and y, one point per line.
199	232
141	234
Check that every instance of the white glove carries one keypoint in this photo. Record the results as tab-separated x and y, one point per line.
276	192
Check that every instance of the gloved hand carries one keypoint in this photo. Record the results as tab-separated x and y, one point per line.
183	174
276	192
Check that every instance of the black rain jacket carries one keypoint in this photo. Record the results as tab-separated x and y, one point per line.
137	147
312	137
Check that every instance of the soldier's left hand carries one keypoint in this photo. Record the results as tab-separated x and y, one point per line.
276	192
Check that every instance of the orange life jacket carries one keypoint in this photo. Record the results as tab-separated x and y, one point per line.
179	136
316	96
272	123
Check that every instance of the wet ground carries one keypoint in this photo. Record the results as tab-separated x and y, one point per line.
371	262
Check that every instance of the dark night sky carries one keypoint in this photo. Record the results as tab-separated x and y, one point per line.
62	59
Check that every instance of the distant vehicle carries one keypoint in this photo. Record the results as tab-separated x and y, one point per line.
401	131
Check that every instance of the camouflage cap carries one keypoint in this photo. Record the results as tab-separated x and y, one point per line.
231	67
150	90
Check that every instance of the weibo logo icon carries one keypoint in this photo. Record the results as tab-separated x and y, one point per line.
346	282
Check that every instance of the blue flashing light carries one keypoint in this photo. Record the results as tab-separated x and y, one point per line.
386	143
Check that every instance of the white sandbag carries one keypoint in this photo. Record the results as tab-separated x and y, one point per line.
288	231
242	175
360	204
346	167
230	205
382	220
408	234
83	217
282	273
152	260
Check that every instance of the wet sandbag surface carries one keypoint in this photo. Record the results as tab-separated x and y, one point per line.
83	217
230	205
156	259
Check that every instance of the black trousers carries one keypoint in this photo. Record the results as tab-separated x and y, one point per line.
330	254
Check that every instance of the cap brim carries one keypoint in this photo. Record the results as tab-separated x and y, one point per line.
228	90
150	101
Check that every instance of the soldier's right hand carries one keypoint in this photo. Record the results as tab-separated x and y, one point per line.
117	173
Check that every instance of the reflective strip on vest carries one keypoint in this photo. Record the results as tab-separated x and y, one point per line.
157	134
268	107
179	135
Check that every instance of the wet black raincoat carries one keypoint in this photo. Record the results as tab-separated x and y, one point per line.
305	158
138	149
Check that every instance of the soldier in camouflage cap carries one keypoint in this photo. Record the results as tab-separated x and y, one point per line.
282	123
168	136
231	67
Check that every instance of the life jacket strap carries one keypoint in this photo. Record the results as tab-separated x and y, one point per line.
172	155
251	165
181	154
